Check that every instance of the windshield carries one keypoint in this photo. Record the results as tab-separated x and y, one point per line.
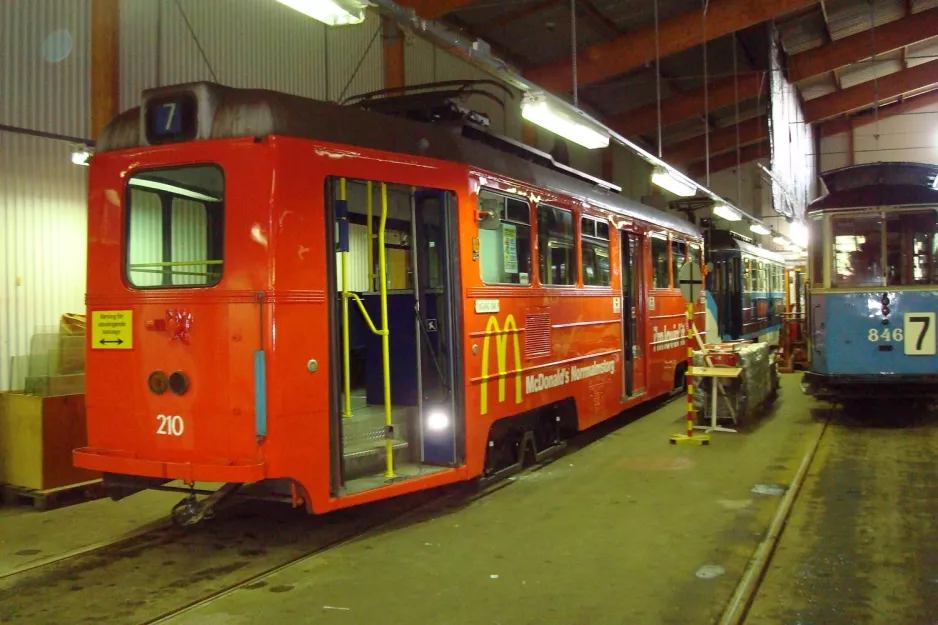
857	250
175	227
908	258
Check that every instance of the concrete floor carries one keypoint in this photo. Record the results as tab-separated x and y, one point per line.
861	545
625	529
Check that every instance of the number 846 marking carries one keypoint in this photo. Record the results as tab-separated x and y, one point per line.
918	334
875	335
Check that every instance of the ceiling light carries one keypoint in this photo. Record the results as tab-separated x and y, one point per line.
81	157
537	110
780	240
759	229
726	212
669	181
330	12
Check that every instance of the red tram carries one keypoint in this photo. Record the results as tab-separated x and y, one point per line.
347	305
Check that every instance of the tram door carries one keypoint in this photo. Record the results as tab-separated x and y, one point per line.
632	313
434	222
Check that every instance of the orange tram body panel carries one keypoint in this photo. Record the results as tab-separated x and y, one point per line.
255	259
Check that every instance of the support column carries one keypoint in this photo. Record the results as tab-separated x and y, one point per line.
395	74
528	133
105	64
607	166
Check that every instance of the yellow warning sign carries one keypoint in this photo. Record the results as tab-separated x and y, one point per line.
112	329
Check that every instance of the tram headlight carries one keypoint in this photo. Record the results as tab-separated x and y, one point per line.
437	420
157	382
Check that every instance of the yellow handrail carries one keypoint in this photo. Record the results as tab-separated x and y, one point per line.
346	368
179	273
365	314
385	342
371	239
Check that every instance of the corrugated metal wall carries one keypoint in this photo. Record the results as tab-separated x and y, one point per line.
250	43
45	65
425	63
42	260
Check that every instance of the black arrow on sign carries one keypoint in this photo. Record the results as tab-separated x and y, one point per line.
116	341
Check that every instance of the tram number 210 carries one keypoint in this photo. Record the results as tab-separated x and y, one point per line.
170	425
917	334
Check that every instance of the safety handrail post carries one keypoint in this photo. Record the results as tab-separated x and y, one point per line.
385	342
371	236
346	349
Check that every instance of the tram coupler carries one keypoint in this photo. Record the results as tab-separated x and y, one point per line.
190	510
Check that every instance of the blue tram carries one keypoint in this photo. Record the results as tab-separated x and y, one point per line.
745	292
873	283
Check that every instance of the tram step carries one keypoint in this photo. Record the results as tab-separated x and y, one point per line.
371	448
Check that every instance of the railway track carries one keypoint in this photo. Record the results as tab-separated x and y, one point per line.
85	550
463	493
158	573
738	606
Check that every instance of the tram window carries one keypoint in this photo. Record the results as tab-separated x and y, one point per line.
857	250
594	242
910	247
747	275
556	245
659	260
678	257
505	251
816	250
175	227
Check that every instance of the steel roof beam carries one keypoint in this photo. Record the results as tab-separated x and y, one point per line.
889	37
845	124
626	52
867	93
434	9
721	140
725	161
688	105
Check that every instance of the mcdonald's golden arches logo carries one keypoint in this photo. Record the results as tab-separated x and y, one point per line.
501	346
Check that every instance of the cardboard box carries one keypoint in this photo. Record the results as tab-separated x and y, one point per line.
37	436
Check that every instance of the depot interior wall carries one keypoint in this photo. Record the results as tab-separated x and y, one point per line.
910	137
251	44
44	69
748	189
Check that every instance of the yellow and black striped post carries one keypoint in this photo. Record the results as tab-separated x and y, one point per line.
689	438
690	370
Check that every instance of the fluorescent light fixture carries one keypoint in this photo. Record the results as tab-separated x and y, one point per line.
330	12
726	212
81	157
670	182
537	110
170	188
759	229
780	240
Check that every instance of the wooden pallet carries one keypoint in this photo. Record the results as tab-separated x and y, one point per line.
53	497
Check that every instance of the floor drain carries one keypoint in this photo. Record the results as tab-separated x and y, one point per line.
709	571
